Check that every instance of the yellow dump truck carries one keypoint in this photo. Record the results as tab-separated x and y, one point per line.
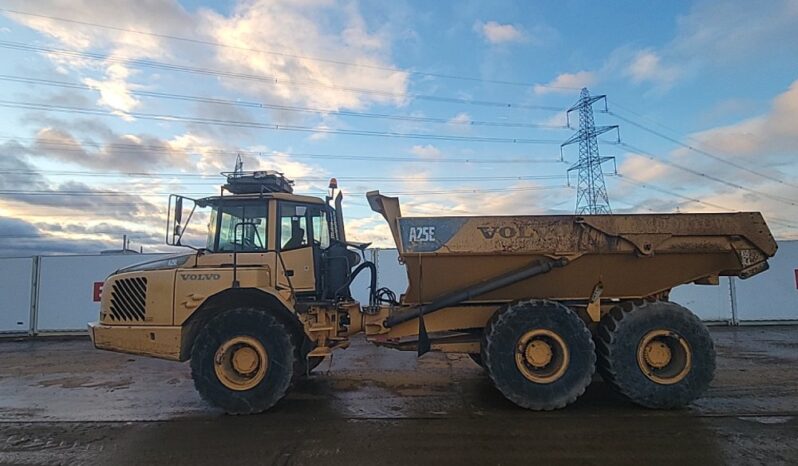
540	302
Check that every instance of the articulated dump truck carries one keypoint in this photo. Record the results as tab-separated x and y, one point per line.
540	302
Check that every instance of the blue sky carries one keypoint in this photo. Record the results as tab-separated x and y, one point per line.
104	114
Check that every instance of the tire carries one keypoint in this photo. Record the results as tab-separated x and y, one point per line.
627	333
477	358
251	331
525	377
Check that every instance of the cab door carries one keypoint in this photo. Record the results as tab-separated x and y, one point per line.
295	244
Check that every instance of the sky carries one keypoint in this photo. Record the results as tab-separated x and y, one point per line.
456	107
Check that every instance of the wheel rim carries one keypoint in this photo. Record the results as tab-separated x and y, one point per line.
241	363
664	356
541	355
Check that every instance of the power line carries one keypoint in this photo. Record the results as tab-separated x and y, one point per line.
137	148
648	155
288	108
285	54
701	151
95	193
340	178
269	126
646	185
267	79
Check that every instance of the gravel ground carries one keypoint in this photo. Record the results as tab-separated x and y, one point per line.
62	402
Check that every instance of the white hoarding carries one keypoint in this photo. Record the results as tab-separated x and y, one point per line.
390	273
70	287
360	287
709	302
773	294
15	289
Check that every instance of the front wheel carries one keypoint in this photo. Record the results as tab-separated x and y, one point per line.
243	361
539	354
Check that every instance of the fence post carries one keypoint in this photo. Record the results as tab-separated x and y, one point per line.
33	320
733	297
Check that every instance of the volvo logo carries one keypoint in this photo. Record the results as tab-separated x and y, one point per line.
507	232
200	276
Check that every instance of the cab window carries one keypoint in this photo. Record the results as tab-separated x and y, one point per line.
293	226
241	227
321	229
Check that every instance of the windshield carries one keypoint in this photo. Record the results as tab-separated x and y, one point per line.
240	227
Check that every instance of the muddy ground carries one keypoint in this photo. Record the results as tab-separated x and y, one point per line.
61	402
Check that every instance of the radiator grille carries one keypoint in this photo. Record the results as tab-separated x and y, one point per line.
128	299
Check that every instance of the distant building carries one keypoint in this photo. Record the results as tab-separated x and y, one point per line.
120	251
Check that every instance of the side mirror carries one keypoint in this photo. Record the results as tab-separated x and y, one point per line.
178	211
174	221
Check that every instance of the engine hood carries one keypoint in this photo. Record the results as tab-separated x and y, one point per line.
162	263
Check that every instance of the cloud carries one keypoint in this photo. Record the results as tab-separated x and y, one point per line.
462	118
115	90
734	30
643	169
427	151
114	86
279	24
116	152
762	143
765	137
567	83
24	187
496	33
647	66
711	34
371	229
21	238
290	29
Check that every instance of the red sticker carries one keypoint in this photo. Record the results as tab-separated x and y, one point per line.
98	289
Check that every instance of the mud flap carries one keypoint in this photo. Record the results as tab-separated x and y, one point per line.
423	338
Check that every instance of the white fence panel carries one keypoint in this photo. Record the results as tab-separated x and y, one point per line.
773	294
360	287
710	303
15	290
68	288
390	273
67	284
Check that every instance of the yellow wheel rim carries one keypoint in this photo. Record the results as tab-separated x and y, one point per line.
664	356
241	363
541	355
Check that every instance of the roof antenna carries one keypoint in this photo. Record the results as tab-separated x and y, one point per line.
239	169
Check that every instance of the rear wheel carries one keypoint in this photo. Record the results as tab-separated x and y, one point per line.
658	354
243	361
539	354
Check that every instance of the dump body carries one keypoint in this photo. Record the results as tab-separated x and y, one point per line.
627	256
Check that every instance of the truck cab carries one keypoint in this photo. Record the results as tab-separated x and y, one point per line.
265	248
